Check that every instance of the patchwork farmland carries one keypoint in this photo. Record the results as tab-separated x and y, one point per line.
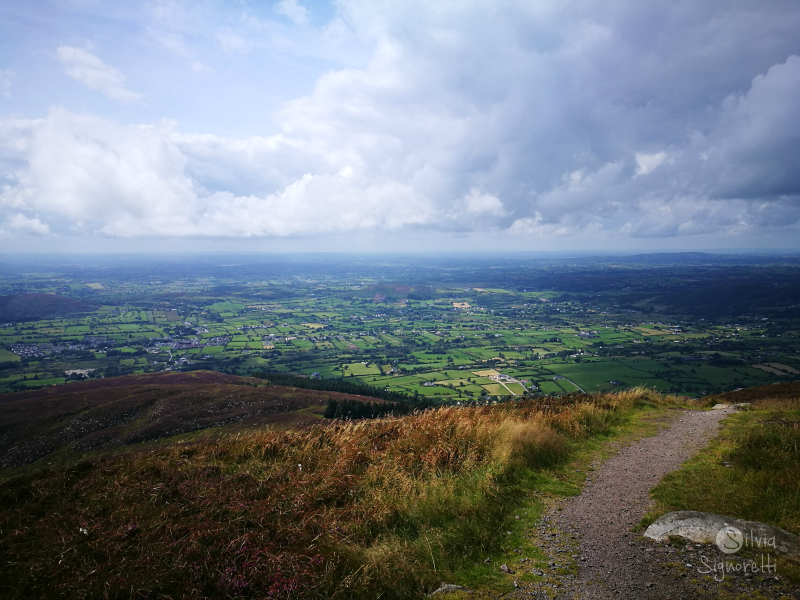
479	333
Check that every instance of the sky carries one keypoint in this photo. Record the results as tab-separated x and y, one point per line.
405	125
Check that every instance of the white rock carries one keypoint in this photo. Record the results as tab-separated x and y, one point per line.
446	588
702	528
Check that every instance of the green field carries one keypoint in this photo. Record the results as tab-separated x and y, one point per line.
7	355
360	369
348	321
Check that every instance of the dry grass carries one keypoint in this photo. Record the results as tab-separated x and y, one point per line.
363	510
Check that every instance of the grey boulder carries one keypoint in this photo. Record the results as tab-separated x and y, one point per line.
702	528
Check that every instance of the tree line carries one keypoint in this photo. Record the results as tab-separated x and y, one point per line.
355	409
334	385
397	403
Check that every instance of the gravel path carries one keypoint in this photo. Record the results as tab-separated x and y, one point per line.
593	531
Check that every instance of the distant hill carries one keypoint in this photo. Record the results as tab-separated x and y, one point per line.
670	257
708	258
787	390
673	257
107	413
30	307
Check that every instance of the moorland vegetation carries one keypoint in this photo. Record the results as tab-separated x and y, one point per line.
377	508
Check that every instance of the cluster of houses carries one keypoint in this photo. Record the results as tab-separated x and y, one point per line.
34	350
188	343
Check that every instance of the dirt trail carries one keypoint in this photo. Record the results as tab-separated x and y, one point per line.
594	530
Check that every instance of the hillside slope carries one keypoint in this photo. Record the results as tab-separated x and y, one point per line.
107	413
358	510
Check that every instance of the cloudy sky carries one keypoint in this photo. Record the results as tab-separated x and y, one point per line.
399	125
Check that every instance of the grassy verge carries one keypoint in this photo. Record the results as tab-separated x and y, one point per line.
750	471
543	487
380	509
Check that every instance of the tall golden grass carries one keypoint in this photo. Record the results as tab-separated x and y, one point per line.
369	509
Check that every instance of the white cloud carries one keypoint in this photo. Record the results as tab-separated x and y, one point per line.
292	10
232	43
649	162
527	226
173	43
19	223
129	181
6	80
88	69
168	10
477	203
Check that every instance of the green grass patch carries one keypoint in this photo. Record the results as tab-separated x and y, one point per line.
516	388
495	389
359	369
550	387
8	356
41	382
76	329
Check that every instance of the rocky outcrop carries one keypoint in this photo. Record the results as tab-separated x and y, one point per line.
705	528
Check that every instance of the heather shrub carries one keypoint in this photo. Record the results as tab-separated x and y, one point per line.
380	508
